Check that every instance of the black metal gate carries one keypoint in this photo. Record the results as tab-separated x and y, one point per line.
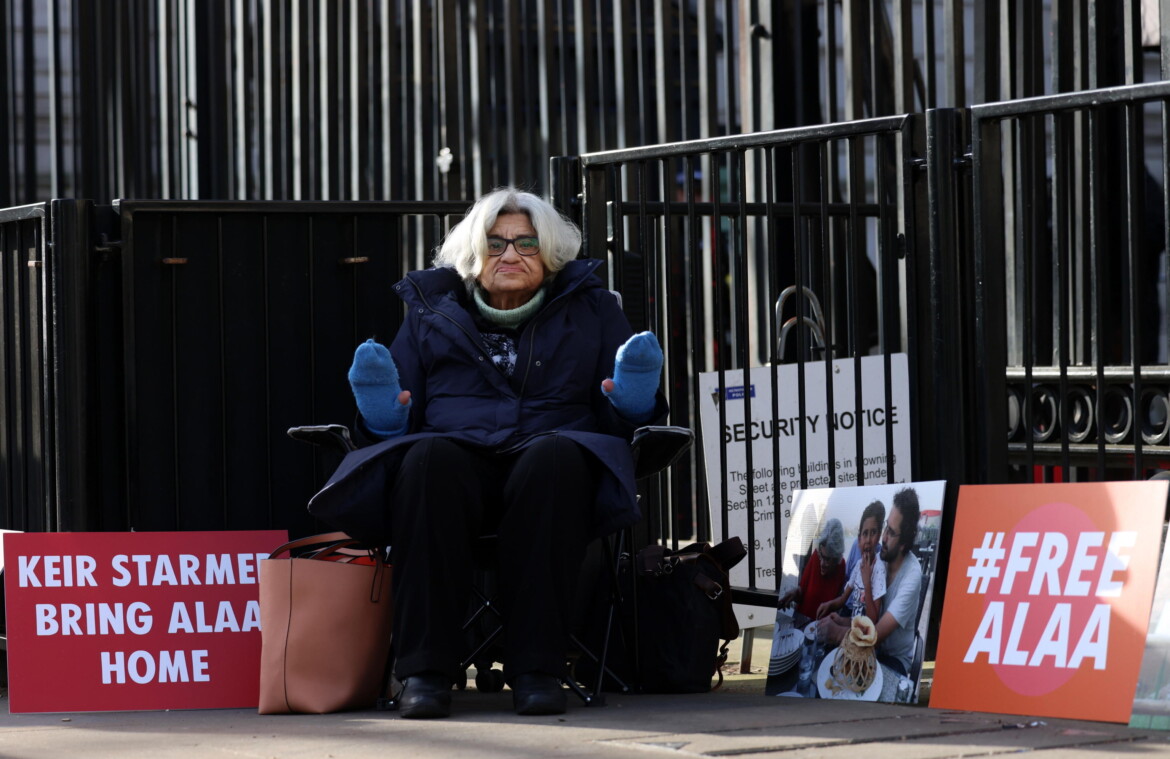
1069	221
711	236
1014	251
155	352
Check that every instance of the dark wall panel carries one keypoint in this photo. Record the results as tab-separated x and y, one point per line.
185	338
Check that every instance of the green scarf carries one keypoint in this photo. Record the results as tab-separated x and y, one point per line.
510	318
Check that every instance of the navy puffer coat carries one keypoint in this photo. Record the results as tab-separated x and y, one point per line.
563	354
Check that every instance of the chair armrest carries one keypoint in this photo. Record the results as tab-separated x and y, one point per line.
332	436
655	447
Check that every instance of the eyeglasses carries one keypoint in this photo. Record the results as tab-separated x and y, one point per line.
525	246
892	533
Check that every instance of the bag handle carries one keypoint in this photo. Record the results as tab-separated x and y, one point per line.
728	553
339	543
334	542
655	558
714	591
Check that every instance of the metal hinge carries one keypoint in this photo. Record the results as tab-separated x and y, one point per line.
106	245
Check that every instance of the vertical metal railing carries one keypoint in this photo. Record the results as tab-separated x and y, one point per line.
1071	224
397	99
713	232
346	99
26	382
1020	261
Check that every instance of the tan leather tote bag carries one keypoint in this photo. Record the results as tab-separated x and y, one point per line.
325	627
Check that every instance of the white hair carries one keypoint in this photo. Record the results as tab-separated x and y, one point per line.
465	246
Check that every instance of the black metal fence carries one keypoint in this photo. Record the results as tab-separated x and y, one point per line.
1015	252
345	99
155	352
715	237
368	99
1070	230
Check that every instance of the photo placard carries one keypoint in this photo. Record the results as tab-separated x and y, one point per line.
841	542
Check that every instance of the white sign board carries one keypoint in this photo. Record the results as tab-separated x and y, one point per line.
784	426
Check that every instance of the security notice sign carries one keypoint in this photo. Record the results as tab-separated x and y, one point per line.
774	424
1048	598
140	620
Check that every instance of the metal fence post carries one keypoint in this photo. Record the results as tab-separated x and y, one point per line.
943	443
989	310
75	402
944	371
565	186
595	214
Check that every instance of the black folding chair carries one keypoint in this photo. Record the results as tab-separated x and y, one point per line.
654	448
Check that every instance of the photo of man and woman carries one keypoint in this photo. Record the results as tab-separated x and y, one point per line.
858	574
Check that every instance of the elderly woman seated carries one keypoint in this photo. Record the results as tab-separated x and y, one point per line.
505	405
824	572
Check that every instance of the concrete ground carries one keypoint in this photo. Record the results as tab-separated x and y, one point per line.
735	720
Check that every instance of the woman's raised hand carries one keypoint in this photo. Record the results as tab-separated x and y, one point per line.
382	402
636	371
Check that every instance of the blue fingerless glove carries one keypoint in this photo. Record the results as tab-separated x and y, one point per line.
636	372
374	379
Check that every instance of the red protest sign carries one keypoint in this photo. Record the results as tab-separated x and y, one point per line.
1048	598
139	620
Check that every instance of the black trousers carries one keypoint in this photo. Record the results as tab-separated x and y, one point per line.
538	503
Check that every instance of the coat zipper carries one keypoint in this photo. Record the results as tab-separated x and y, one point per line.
531	344
433	310
532	335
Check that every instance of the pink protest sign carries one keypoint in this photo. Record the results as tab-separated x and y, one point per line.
140	620
1048	598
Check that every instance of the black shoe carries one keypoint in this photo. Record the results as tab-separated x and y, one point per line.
425	696
538	693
